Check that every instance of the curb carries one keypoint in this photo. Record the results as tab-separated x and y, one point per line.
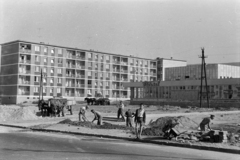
225	150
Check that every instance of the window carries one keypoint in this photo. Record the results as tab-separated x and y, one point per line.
51	90
45	60
37	69
59	71
131	69
53	50
36	89
51	80
89	64
37	58
44	70
36	79
44	80
89	55
44	90
131	77
101	57
89	73
101	75
58	90
59	51
96	57
52	70
107	83
52	61
107	58
96	66
89	82
45	49
101	83
108	75
96	83
131	60
37	48
107	66
140	62
59	80
60	61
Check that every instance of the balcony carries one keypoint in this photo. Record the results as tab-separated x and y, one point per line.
24	71
124	63
90	68
124	79
80	67
80	85
116	87
22	92
124	71
116	79
69	94
153	66
89	86
24	61
153	74
21	81
79	95
116	70
80	76
70	85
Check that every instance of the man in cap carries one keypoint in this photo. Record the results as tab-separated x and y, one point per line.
82	115
205	122
140	119
97	116
120	110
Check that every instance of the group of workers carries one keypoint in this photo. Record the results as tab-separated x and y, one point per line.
139	118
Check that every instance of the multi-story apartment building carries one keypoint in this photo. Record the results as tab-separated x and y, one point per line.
163	63
67	72
193	72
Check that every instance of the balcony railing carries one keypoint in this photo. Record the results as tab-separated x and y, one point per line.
80	67
116	79
124	71
79	95
24	61
70	85
80	85
23	92
23	82
25	71
116	70
89	86
124	63
124	79
69	94
80	76
153	66
153	74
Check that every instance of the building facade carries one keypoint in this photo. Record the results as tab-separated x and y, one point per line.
68	72
193	72
219	90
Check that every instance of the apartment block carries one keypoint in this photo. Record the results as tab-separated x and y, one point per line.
67	72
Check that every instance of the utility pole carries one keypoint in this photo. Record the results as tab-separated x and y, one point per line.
41	85
203	69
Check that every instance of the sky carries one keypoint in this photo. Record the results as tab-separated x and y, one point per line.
143	28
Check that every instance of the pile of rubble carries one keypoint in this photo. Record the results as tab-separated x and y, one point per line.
91	125
14	112
180	123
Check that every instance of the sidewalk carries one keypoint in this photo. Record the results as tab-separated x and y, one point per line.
50	125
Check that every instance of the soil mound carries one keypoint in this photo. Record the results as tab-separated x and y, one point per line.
13	113
181	124
105	125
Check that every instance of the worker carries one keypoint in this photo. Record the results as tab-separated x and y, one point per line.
82	115
97	116
140	119
129	115
206	121
120	110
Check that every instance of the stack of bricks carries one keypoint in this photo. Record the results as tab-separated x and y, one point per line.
218	136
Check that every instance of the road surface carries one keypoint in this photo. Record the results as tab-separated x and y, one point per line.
26	145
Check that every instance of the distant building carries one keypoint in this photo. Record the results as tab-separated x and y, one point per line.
193	72
69	72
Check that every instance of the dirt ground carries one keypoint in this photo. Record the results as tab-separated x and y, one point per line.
229	121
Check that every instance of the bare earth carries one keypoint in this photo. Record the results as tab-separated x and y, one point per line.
228	120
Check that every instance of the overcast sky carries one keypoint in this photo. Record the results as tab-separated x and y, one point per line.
149	29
